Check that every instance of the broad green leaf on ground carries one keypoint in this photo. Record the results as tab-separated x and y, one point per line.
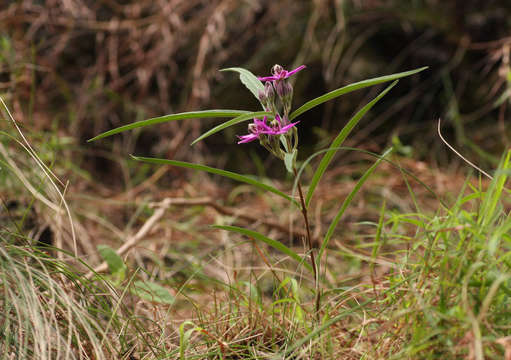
349	88
327	158
273	243
115	263
172	117
152	292
236	120
249	80
347	202
225	173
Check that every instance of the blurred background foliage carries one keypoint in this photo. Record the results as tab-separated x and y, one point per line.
71	69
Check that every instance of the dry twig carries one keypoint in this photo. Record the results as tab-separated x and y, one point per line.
163	205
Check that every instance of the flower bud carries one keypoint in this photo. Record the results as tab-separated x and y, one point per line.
269	92
262	97
284	89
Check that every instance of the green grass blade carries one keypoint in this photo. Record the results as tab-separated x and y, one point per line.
327	324
249	80
347	202
378	237
224	173
184	337
349	88
236	120
171	117
493	195
327	158
273	243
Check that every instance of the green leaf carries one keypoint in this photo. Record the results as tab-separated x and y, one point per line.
321	329
184	337
349	88
273	243
249	80
494	192
289	160
114	261
347	202
327	158
236	120
171	117
228	174
152	292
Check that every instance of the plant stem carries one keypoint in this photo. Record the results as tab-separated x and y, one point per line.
315	266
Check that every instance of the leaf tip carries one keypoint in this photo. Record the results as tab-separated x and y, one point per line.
418	70
97	137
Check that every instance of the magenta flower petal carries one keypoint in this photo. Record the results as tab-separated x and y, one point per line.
247	138
268	78
292	72
284	74
287	127
284	129
261	127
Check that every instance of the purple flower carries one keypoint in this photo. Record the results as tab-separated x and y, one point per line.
279	73
259	127
279	129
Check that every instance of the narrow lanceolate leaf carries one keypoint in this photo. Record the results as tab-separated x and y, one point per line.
249	80
327	158
349	88
224	173
347	202
273	243
236	120
172	117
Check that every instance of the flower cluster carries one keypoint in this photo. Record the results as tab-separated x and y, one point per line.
259	127
268	130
